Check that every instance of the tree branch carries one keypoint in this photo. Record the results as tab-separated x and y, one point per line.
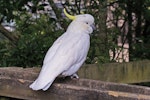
8	35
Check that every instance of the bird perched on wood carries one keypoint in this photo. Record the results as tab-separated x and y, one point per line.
68	52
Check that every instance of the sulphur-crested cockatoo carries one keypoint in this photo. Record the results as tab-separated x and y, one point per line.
68	52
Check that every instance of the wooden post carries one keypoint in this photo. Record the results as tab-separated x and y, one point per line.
15	81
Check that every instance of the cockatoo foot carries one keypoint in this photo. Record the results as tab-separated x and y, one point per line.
74	76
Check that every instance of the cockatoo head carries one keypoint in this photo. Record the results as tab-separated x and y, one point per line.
83	23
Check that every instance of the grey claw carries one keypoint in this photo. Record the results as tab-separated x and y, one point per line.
74	76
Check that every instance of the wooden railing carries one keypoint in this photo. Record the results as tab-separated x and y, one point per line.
15	81
132	72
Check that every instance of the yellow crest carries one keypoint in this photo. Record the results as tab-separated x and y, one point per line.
69	16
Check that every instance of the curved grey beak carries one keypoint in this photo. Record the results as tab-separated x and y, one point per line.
93	26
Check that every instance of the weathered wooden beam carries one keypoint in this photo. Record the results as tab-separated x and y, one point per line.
132	72
14	82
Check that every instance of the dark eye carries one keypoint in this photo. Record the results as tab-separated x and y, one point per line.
87	23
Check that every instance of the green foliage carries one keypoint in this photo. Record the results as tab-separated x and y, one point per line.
4	53
37	35
9	6
31	49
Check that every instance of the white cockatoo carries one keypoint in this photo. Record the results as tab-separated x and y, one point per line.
68	52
